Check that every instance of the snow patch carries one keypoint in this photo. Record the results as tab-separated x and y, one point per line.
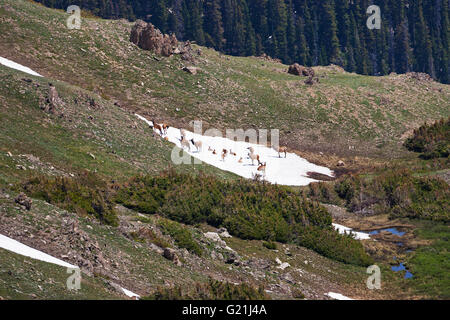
357	235
130	294
16	66
17	247
291	171
338	296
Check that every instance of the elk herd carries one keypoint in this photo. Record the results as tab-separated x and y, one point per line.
224	153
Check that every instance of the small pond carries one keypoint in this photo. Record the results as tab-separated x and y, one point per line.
394	231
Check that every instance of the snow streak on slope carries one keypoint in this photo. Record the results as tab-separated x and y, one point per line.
130	294
291	171
13	65
338	296
357	235
17	247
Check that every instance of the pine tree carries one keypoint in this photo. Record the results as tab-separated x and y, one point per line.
213	26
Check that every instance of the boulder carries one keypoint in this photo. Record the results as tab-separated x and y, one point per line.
170	254
299	70
296	69
147	37
23	200
191	70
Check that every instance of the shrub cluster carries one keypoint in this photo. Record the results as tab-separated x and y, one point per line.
182	236
432	141
85	195
397	192
211	290
248	210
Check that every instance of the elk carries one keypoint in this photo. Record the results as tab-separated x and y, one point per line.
262	168
232	153
157	127
197	144
214	151
254	157
165	127
183	133
281	150
185	143
224	154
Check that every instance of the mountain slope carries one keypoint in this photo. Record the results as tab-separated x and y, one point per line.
344	114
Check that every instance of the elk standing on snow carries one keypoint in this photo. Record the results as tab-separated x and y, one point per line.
281	150
185	143
253	156
165	127
262	168
224	154
183	133
197	144
232	153
157	127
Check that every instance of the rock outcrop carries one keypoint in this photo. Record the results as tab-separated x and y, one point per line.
147	37
191	70
23	200
299	70
170	254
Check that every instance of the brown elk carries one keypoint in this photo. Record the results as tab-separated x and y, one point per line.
197	144
224	154
165	127
157	127
281	150
262	168
214	151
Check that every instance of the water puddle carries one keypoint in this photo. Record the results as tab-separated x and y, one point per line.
401	267
394	231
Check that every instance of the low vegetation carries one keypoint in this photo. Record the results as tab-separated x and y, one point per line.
430	264
211	290
432	141
248	210
86	195
182	236
397	192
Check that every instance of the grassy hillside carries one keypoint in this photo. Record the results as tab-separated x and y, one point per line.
127	256
80	135
345	113
102	79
